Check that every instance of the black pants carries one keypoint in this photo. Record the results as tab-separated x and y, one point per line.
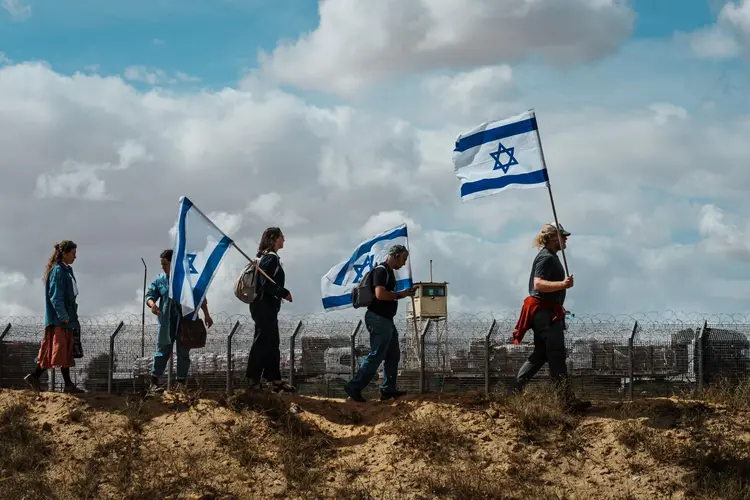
549	347
265	357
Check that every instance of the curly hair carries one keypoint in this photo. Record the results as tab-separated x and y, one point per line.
64	246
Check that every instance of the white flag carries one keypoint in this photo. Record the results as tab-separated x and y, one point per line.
337	285
199	248
499	155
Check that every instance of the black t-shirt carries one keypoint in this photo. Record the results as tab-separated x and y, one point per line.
383	275
547	266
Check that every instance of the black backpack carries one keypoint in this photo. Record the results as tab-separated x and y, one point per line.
364	293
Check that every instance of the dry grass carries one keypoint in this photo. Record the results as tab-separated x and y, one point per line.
432	435
24	456
735	395
716	462
300	448
122	466
538	412
470	482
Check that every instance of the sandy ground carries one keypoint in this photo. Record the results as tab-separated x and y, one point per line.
433	446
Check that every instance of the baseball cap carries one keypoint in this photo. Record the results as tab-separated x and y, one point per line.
551	229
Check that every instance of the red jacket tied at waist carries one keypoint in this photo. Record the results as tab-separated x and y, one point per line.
530	306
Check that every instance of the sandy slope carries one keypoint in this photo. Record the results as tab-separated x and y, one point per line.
437	446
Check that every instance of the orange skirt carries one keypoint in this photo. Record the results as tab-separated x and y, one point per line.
57	348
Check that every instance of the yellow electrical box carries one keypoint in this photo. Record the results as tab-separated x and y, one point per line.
431	300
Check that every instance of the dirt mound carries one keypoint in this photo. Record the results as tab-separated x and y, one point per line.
462	446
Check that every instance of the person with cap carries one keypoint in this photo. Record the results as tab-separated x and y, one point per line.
544	314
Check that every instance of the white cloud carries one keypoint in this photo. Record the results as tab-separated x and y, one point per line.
477	92
18	10
267	207
713	43
156	76
77	181
729	37
4	58
361	41
722	237
625	183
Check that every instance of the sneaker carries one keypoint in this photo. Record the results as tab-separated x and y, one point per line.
33	382
354	394
155	388
72	389
386	395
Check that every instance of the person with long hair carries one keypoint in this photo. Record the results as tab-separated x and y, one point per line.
61	317
265	357
543	313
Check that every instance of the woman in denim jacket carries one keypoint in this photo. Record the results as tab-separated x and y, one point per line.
61	317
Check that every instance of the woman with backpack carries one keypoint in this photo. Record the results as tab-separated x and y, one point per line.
265	357
61	318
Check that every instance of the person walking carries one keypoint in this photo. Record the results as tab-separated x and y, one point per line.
61	317
544	313
264	359
384	343
169	313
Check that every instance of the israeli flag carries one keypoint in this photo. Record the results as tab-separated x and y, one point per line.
499	155
199	248
337	285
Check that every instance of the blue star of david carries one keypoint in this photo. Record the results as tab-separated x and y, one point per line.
496	156
362	268
191	258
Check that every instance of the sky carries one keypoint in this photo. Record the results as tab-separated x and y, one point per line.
336	120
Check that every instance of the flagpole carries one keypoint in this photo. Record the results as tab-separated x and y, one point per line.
549	190
233	243
413	302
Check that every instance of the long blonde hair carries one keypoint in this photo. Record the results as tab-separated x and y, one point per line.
64	246
541	240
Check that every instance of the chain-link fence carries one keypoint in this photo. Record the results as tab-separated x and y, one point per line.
609	357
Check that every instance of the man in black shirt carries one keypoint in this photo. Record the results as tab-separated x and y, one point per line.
384	344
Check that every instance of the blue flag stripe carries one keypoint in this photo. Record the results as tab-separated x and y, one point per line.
496	134
346	300
529	178
365	248
179	271
199	291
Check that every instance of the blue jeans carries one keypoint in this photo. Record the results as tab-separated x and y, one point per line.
162	356
384	348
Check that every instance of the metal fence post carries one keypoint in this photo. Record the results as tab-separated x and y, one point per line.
354	348
700	344
631	361
2	336
292	339
487	357
111	367
421	356
230	370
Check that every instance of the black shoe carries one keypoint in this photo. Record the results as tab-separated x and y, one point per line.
576	405
386	395
354	394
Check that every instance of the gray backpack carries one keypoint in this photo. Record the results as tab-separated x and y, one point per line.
246	286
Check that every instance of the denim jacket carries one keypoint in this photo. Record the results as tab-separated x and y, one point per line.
170	311
60	297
